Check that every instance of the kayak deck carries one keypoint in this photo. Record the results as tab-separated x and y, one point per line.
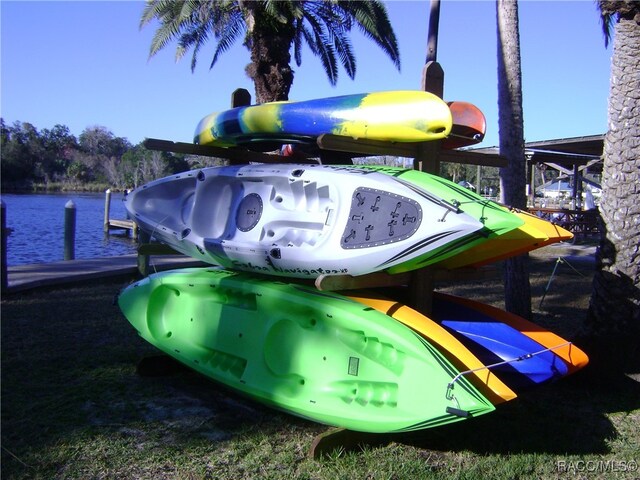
322	357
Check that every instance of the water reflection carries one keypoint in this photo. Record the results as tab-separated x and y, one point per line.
37	223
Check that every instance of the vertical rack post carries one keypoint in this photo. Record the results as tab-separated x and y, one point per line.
428	156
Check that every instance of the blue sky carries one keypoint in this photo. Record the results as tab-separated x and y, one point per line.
86	63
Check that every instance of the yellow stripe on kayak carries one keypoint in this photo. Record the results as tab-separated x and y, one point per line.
397	116
534	233
204	135
264	118
555	233
489	385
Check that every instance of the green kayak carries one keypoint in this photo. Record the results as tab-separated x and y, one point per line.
496	218
313	354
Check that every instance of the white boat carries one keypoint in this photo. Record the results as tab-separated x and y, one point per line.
299	220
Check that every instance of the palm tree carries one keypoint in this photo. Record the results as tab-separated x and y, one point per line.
269	29
614	309
511	133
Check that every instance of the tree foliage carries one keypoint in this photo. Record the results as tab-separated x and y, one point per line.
270	30
30	157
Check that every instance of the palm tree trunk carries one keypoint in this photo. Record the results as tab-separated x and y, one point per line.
511	132
614	310
270	67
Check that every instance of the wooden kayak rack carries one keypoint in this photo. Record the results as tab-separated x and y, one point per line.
334	149
340	150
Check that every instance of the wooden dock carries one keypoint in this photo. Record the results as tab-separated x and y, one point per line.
117	224
22	278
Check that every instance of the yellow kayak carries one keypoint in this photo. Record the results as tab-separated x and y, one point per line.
534	233
483	379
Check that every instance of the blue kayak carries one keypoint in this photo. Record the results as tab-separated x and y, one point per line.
519	361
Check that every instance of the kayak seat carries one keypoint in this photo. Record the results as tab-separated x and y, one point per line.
227	363
378	394
299	212
169	211
381	353
286	354
215	202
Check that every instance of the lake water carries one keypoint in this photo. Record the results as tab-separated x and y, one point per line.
37	221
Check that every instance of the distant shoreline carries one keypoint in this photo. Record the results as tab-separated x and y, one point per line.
55	187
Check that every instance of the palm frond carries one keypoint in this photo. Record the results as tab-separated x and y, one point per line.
310	38
320	44
153	9
227	37
166	34
607	18
344	49
194	38
172	22
323	25
297	41
327	57
338	27
373	21
277	11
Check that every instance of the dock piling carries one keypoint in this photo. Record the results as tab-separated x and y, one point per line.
3	248
107	210
70	230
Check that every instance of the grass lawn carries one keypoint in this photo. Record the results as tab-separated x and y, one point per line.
74	407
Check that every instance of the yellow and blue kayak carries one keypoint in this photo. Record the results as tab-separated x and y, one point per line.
397	116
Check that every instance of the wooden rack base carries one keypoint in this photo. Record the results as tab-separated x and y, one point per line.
382	279
342	440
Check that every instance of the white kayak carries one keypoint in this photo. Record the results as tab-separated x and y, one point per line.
299	220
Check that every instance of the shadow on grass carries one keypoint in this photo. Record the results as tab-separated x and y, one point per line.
69	378
568	417
564	418
69	374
